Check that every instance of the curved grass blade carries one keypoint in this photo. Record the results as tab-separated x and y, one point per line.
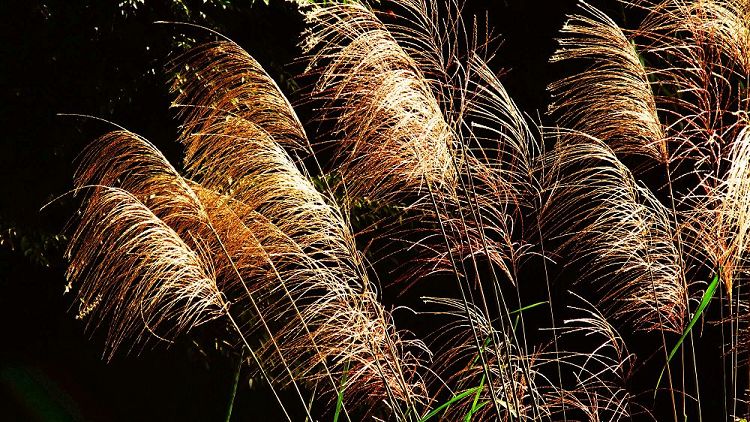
340	398
450	402
705	300
234	388
475	406
527	307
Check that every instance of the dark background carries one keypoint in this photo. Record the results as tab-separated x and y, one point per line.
105	58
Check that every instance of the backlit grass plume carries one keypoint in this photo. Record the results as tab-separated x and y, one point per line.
394	138
620	238
164	286
272	247
555	272
694	54
612	100
406	138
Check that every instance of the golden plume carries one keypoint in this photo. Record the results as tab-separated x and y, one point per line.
612	99
615	231
134	268
317	281
393	137
267	246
